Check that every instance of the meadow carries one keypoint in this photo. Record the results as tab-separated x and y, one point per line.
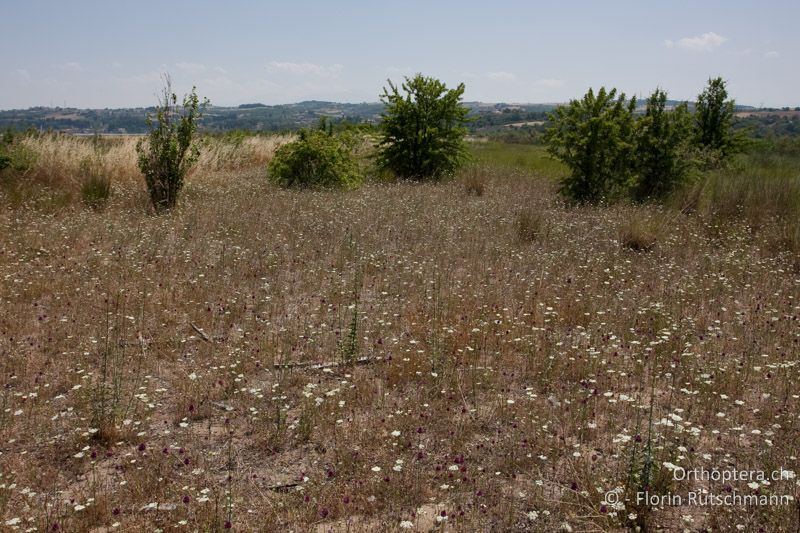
470	355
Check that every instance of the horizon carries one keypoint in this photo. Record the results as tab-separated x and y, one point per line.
113	56
639	98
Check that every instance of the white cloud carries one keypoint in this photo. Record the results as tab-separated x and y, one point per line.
155	78
191	68
21	75
501	76
304	69
701	43
772	54
549	83
71	67
399	71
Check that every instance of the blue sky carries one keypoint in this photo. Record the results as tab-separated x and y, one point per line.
111	54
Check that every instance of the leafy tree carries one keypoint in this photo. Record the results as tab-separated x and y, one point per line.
422	131
662	145
168	152
714	118
594	138
317	158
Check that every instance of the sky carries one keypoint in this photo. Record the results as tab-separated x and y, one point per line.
100	54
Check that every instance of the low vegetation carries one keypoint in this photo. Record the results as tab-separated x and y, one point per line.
317	158
641	232
530	226
169	150
474	179
96	187
15	156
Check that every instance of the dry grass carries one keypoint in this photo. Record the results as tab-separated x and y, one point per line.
530	226
516	384
60	161
474	180
641	231
243	153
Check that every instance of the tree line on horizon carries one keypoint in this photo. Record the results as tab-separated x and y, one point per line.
491	120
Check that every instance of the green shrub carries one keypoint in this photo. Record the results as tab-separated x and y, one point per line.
594	138
317	158
168	152
422	131
16	158
714	120
662	144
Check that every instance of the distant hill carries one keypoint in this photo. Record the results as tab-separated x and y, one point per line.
253	116
486	118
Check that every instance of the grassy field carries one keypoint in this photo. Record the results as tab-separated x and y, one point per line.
531	159
491	358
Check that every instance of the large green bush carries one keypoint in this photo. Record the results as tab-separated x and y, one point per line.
317	158
422	129
663	144
169	151
609	151
594	137
714	114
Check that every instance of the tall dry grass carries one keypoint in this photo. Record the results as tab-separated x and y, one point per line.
529	363
514	381
59	161
235	154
